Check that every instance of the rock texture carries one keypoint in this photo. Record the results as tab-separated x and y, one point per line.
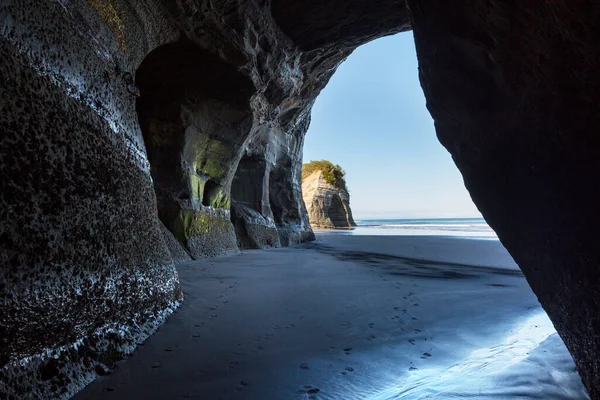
328	206
178	253
119	115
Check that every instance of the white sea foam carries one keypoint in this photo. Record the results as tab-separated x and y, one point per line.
475	228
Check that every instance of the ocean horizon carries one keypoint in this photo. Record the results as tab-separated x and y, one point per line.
475	228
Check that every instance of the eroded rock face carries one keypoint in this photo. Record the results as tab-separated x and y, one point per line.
121	118
119	115
327	206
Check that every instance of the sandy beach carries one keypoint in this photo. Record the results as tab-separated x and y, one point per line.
352	317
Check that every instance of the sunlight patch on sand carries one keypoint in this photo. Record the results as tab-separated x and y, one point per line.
477	370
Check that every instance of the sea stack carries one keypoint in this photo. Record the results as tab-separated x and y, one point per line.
325	195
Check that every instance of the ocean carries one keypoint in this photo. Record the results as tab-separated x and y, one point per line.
475	228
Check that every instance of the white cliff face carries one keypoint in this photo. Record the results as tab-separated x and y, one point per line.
327	205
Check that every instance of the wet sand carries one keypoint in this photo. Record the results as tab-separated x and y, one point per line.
351	317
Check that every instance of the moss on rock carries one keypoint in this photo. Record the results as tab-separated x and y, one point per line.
333	174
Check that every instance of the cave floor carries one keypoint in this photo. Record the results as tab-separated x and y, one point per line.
351	318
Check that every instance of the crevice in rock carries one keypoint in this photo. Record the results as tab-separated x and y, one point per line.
211	191
250	210
248	187
281	194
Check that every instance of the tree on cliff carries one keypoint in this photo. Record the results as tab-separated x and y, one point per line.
333	174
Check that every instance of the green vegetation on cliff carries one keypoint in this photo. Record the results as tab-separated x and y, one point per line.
333	174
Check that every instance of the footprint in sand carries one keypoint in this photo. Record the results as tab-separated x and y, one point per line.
348	350
233	364
413	369
371	324
411	341
196	335
418	331
303	366
308	390
242	386
156	365
349	369
426	355
214	315
371	337
291	326
276	327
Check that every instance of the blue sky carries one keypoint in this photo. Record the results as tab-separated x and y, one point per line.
371	120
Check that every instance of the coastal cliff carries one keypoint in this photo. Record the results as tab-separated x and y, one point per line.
327	201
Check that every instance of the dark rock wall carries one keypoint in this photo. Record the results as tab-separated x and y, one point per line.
514	91
84	271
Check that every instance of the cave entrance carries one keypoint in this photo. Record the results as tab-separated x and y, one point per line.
372	120
195	117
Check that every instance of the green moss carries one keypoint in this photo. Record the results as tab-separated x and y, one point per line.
106	11
181	226
333	174
194	223
210	157
221	200
213	169
197	186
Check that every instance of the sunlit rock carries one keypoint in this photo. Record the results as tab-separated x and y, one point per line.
327	200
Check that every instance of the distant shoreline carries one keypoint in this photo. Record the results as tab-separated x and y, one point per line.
468	228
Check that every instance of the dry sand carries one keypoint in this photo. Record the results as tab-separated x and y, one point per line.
350	318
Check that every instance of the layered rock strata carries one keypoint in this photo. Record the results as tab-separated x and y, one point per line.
328	206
